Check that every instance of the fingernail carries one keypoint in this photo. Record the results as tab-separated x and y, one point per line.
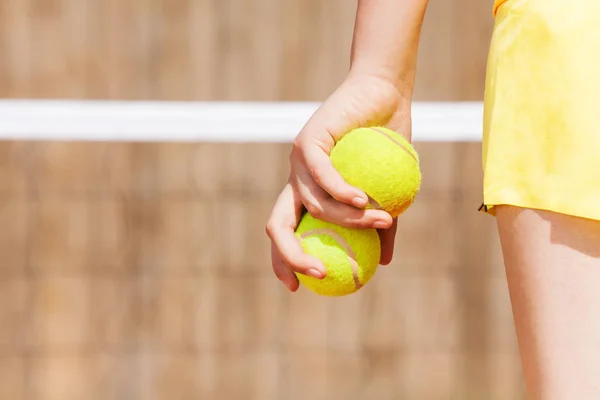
381	224
315	273
359	202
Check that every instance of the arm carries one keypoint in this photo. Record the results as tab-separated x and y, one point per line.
386	39
377	91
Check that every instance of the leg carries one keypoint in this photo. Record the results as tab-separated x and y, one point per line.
553	271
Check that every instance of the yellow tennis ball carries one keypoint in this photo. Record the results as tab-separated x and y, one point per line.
351	256
381	163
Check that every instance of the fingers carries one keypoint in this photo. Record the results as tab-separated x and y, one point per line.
322	206
319	166
281	230
325	208
282	271
387	237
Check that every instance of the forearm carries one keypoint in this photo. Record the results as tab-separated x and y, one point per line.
386	40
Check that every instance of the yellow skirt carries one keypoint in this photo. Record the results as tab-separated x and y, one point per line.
541	143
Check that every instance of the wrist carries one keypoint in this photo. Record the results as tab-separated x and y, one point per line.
402	81
397	97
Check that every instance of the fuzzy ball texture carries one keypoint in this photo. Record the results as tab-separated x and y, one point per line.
383	164
351	256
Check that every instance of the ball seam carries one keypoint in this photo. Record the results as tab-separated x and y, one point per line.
402	146
341	241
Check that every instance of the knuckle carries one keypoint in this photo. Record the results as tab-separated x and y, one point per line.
270	229
359	223
337	195
298	145
355	224
290	263
316	174
297	268
314	209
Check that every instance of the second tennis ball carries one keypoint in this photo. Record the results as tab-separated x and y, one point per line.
351	256
381	163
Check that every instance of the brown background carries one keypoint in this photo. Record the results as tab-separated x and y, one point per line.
141	271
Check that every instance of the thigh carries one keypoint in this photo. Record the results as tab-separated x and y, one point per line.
553	270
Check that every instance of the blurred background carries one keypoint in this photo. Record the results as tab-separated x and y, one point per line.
142	271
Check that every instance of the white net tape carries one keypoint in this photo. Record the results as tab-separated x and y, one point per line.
147	121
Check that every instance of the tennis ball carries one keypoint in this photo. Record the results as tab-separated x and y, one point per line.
381	163
350	256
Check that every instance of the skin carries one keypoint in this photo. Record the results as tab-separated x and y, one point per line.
552	260
553	270
377	91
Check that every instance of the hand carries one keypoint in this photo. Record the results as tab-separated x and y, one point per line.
316	186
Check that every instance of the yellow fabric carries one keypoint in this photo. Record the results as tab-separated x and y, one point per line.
541	144
497	4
